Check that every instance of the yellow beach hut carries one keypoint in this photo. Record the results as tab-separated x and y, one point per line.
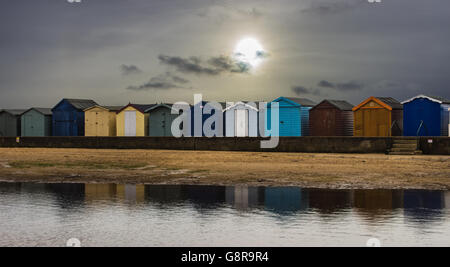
132	120
100	120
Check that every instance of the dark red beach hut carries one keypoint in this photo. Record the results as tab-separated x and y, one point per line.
331	118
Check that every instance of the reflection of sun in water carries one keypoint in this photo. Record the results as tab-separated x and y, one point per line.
249	51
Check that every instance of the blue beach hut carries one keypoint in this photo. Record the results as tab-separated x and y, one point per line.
68	116
294	116
426	116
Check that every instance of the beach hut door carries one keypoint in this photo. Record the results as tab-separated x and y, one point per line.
130	123
241	123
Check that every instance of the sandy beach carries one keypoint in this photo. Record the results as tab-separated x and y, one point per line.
345	171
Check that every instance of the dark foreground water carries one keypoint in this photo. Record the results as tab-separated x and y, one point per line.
130	215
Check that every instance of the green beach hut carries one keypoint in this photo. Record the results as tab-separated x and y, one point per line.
160	120
37	122
10	122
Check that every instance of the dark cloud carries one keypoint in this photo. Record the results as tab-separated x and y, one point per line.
301	90
325	84
349	86
222	13
254	13
222	62
189	65
164	81
129	69
346	86
213	66
327	8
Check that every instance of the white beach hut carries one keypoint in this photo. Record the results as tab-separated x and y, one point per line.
241	120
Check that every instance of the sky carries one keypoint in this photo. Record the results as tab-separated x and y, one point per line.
147	51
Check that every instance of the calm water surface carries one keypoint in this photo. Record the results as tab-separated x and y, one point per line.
138	215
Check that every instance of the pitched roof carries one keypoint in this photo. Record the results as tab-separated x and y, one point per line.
392	102
203	103
302	101
244	104
440	100
43	111
81	104
14	112
166	105
108	108
113	108
139	107
339	104
387	102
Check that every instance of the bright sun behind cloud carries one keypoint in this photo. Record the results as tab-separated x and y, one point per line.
249	51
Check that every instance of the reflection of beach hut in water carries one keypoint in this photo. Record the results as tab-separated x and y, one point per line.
160	120
285	199
373	203
293	116
426	116
424	206
131	192
132	120
37	122
101	120
68	196
378	116
447	199
329	201
205	195
417	199
99	191
241	120
10	124
243	197
331	118
164	193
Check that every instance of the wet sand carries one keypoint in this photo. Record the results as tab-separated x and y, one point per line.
345	171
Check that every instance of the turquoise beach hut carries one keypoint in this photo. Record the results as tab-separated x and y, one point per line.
294	116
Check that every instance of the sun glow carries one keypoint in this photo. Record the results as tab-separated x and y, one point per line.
249	51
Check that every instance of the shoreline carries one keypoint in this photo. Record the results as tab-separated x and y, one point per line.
250	184
163	167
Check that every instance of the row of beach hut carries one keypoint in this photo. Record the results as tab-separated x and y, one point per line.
376	116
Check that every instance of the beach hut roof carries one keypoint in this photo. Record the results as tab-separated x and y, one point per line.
14	112
243	103
301	101
79	104
139	107
113	108
43	111
166	105
109	108
392	102
339	104
440	100
387	102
